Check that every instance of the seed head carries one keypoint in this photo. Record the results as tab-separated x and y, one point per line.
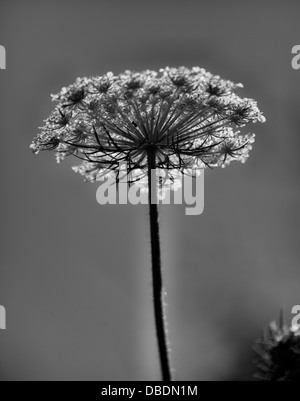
279	354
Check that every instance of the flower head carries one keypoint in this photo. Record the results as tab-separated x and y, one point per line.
279	353
186	117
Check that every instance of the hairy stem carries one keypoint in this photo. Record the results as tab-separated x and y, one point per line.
160	318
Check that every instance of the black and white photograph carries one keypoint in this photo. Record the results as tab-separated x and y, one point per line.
150	193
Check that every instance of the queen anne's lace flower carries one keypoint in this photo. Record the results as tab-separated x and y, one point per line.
187	117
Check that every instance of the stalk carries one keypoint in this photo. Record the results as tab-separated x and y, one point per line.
159	312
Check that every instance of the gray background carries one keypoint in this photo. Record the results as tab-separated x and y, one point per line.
75	276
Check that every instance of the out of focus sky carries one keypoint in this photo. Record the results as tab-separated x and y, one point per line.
75	276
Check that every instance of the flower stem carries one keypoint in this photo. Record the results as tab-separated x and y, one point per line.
160	318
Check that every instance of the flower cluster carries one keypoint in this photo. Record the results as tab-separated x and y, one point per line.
187	118
279	354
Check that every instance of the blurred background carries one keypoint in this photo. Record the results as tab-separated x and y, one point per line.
75	276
